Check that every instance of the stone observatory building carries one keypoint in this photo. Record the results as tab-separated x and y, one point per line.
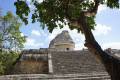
60	62
62	42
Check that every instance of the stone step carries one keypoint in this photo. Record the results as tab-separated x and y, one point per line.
37	78
75	62
56	77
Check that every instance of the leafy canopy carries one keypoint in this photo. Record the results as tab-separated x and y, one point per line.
10	39
50	12
10	35
7	60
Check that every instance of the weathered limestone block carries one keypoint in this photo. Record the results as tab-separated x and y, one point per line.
31	67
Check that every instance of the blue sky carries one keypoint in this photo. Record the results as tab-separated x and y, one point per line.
107	30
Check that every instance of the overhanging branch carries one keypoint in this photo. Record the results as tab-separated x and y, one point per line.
92	11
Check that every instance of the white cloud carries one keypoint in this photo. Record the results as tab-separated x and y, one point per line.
29	1
36	33
39	1
22	34
36	39
32	43
53	34
101	30
36	0
113	45
79	46
29	42
101	8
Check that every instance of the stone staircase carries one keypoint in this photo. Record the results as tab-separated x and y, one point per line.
82	76
71	62
67	65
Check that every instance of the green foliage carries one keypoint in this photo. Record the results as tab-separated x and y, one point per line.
10	35
23	10
1	68
10	39
50	12
91	22
6	61
113	3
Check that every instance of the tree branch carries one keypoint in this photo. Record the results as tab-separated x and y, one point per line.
92	11
111	62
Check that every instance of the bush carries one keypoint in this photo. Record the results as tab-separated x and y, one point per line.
6	61
1	68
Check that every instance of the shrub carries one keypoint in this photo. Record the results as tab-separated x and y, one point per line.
6	61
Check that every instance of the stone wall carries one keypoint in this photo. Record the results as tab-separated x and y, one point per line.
32	62
75	62
31	67
60	62
65	47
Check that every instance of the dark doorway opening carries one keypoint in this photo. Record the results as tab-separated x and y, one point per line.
67	49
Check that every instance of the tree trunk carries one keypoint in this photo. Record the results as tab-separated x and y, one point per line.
111	63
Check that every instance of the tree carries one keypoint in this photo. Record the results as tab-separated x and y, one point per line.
10	40
7	60
10	35
78	14
1	68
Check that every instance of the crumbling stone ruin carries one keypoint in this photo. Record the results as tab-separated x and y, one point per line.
59	58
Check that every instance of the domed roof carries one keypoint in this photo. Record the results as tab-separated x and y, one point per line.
62	38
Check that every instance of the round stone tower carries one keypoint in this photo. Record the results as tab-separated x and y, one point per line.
62	42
